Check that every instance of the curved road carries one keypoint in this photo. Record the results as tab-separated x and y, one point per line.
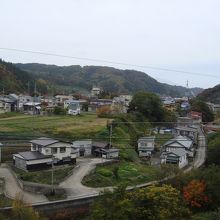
13	189
73	184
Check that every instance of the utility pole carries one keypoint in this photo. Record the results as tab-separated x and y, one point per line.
1	145
35	91
28	88
110	136
52	173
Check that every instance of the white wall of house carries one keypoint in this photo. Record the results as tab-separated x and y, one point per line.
59	150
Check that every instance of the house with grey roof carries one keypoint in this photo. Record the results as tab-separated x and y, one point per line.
177	157
44	152
145	146
179	142
105	150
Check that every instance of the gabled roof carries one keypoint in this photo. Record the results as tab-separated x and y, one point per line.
179	152
182	140
43	141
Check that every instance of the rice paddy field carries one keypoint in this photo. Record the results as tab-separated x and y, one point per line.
68	127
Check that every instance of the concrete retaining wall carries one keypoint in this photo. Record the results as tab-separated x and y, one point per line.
36	187
40	188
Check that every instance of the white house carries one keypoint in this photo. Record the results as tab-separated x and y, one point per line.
43	151
74	108
178	157
146	145
83	147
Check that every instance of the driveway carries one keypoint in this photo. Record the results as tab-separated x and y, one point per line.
13	189
73	183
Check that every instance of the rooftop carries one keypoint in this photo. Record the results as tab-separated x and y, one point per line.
32	155
43	141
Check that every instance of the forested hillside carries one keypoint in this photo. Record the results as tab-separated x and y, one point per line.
211	95
13	79
108	78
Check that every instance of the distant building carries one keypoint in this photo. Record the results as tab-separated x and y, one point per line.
61	98
33	108
95	91
196	117
74	106
214	107
185	105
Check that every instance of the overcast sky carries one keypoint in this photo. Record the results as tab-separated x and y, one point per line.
183	35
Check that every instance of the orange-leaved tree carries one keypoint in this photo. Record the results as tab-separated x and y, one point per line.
195	195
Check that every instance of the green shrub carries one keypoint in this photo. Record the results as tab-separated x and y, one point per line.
104	172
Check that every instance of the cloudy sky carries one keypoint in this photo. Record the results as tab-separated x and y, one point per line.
173	34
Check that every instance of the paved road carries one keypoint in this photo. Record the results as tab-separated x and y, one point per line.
12	188
200	152
73	183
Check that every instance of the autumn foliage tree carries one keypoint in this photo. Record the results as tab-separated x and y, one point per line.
158	203
103	111
194	194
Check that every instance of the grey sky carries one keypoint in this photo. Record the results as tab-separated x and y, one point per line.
172	34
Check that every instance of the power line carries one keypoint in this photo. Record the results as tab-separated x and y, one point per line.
110	62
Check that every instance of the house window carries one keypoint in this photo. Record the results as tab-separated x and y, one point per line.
33	147
62	149
54	150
